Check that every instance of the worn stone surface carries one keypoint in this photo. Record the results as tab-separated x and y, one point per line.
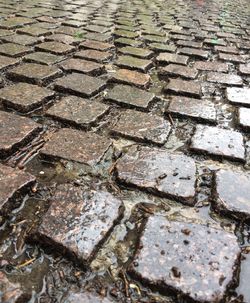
101	46
82	297
203	110
78	111
95	55
172	58
219	142
224	78
43	58
244	69
12	182
196	260
21	39
81	66
194	52
11	292
244	118
130	96
56	48
159	171
134	63
25	97
33	73
237	95
182	87
211	66
6	62
232	193
131	77
81	85
15	131
154	129
177	70
75	145
137	52
13	50
78	221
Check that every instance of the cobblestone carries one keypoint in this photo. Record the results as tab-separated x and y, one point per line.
244	118
238	95
182	87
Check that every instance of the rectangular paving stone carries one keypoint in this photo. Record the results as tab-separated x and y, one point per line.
95	55
25	97
77	146
66	39
193	260
81	85
225	79
199	53
244	69
82	66
107	37
211	66
215	41
25	40
6	62
34	30
156	170
78	221
13	50
131	77
232	58
232	193
244	118
15	132
172	58
218	142
101	46
129	96
130	62
236	95
178	70
137	52
78	111
189	44
11	292
13	182
128	42
43	58
125	33
33	73
15	22
201	110
227	49
159	47
56	48
143	127
183	87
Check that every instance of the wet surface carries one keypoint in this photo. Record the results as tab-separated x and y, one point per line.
129	115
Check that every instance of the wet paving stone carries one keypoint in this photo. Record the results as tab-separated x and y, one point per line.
200	110
225	79
244	118
129	96
130	62
232	193
182	87
82	297
137	52
140	126
218	142
75	145
101	46
25	97
178	70
195	260
238	95
81	85
6	62
156	170
43	58
15	131
172	58
211	66
56	48
34	73
13	182
95	55
131	77
78	221
78	111
11	292
82	66
13	50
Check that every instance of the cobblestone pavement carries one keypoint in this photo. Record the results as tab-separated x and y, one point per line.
124	151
